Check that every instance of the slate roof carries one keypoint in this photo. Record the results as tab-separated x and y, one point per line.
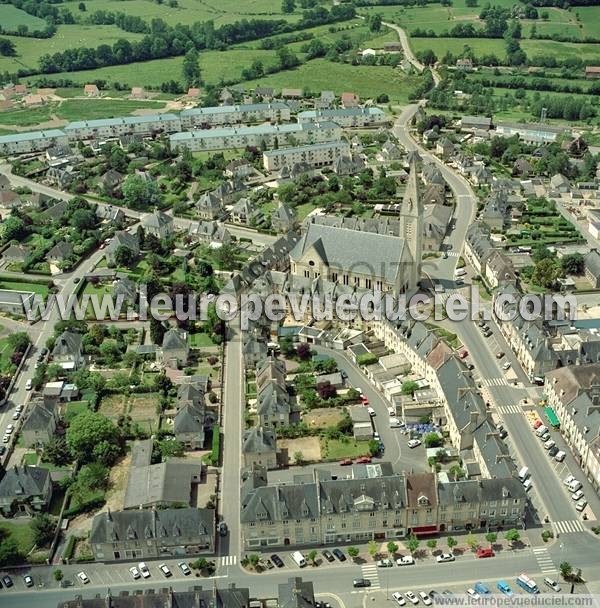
482	490
157	220
189	419
173	340
23	481
259	440
39	418
341	248
592	262
296	593
68	344
273	399
123	238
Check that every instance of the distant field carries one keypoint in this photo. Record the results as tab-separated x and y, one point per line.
25	117
29	50
12	17
188	11
88	109
366	81
589	16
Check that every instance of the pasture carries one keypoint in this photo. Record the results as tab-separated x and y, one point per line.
12	17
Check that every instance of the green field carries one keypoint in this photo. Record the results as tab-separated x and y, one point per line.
589	16
6	351
22	534
88	109
366	81
39	288
12	17
25	117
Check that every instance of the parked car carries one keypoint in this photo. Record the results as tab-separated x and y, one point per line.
184	568
165	570
361	582
397	596
413	443
28	580
328	555
364	400
82	576
2	449
537	424
346	462
406	560
444	557
8	583
363	460
545	437
560	456
503	434
385	563
135	573
569	480
411	597
549	444
506	366
371	411
222	528
484	552
577	495
266	564
473	594
339	554
500	354
277	560
144	570
550	582
581	505
425	598
553	451
463	354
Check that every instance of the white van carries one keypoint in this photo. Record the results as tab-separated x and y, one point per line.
541	430
523	474
28	384
460	272
527	485
560	456
575	485
299	559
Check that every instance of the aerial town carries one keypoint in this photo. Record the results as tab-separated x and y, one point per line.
169	439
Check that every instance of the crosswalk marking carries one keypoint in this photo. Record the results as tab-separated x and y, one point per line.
371	572
494	382
228	560
544	560
568	527
454	254
510	409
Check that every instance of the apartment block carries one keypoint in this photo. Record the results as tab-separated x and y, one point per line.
345	117
114	127
230	115
32	141
315	155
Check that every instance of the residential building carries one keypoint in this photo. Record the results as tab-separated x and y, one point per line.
296	593
476	122
209	207
191	419
60	253
175	350
101	128
31	141
16	253
283	219
259	447
350	100
110	182
478	245
273	405
592	71
16	302
153	533
591	265
158	224
246	212
125	239
270	136
345	117
436	220
68	351
230	115
25	491
533	133
315	155
239	168
91	90
498	270
39	426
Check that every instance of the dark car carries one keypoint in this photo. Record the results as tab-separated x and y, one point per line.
328	556
7	581
2	449
361	582
223	529
277	560
339	554
553	451
503	434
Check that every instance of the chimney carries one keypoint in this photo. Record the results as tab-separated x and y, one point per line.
473	417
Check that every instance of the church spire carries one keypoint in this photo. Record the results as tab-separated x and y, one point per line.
411	226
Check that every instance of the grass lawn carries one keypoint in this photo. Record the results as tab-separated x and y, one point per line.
11	17
25	117
6	352
589	16
200	340
88	109
75	407
336	449
22	534
366	81
38	288
31	458
304	210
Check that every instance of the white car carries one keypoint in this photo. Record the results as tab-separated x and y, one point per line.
413	443
549	444
19	408
506	366
577	495
406	560
371	411
411	597
135	573
444	557
184	568
569	480
399	599
552	584
385	563
425	598
581	505
376	436
6	439
82	576
165	570
392	411
16	415
472	593
9	428
144	570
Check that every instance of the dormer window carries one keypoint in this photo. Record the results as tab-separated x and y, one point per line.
423	500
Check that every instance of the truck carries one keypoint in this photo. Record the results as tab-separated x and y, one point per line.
299	559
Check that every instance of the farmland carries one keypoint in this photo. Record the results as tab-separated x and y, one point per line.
12	17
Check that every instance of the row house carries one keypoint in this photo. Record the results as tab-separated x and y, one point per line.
267	135
115	127
32	141
234	114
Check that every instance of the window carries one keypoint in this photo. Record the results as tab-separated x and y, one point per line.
368	283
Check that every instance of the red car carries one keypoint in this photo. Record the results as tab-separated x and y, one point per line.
364	400
346	462
537	424
463	354
363	460
487	552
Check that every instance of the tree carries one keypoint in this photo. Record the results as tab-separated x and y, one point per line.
163	384
432	440
83	219
471	541
373	548
353	552
303	351
413	543
88	436
491	537
7	47
566	570
312	556
57	452
512	535
451	542
124	257
157	331
139	193
456	471
171	447
191	68
432	543
572	263
58	575
208	567
11	228
375	22
409	387
43	529
471	3
9	552
288	6
298	457
392	548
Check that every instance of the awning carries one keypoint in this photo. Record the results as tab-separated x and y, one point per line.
424	530
552	418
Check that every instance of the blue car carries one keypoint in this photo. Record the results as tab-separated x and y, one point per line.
504	588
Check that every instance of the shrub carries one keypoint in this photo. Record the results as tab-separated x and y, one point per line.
69	548
216	446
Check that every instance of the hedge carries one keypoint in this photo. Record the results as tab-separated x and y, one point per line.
69	548
85	507
216	446
367	359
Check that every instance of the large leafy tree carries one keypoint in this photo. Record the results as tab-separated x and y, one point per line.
140	193
93	437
